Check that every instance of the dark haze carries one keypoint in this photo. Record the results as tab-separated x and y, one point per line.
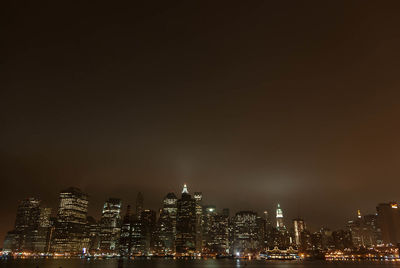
250	102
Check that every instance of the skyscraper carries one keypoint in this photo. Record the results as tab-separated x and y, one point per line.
70	231
125	241
299	227
27	224
279	218
166	225
185	241
110	225
246	233
389	222
198	196
42	243
148	220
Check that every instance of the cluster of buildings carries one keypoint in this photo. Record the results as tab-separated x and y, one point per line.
185	226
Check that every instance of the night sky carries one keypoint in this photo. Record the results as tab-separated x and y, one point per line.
251	102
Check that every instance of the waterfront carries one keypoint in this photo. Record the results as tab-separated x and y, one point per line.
211	263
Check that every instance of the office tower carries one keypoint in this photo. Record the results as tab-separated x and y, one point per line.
139	205
185	242
148	220
94	231
138	243
70	234
356	228
246	233
306	241
373	235
125	241
219	242
198	196
389	222
170	209
110	225
299	227
279	219
27	224
42	243
166	225
208	217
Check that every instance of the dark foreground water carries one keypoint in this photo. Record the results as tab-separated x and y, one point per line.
224	263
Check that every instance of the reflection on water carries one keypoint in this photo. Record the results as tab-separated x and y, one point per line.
161	263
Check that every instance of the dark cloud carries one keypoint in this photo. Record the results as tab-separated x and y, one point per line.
251	103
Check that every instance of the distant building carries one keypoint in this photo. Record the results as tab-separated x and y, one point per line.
70	234
342	239
299	226
27	225
148	220
110	225
246	233
125	240
208	221
94	231
185	242
280	225
166	226
389	222
198	197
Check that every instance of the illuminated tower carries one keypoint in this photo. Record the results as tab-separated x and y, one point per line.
70	227
185	241
110	224
279	218
185	190
299	227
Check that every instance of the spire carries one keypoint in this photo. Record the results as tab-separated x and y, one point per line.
359	214
185	190
279	213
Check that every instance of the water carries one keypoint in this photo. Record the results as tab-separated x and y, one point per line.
212	263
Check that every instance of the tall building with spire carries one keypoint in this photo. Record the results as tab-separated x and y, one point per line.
185	242
279	218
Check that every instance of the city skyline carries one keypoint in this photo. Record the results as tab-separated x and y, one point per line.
252	104
185	225
274	215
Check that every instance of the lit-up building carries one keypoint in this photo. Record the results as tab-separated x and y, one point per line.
198	197
110	225
299	227
166	226
27	225
389	222
209	213
125	240
246	233
148	220
94	235
185	242
70	234
279	219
